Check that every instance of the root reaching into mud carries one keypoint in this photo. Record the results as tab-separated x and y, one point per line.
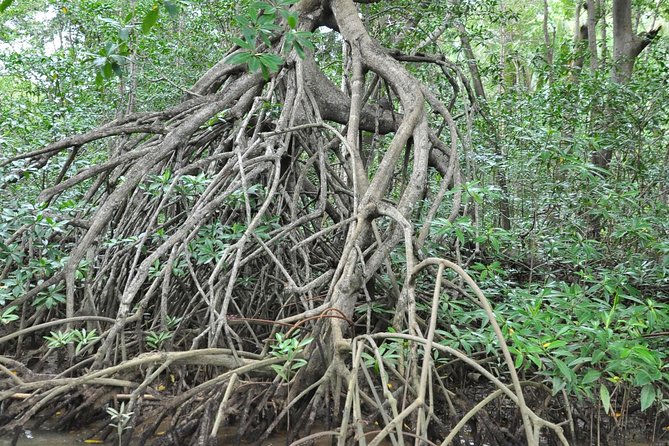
238	232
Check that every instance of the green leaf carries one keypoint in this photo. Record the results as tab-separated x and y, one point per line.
597	356
117	69
645	355
536	360
288	42
298	363
290	17
172	8
254	64
265	72
5	4
305	341
249	35
150	19
266	20
647	396
278	370
124	33
558	384
555	344
299	50
265	39
271	61
8	315
238	58
564	369
591	376
243	43
108	70
304	39
605	396
577	361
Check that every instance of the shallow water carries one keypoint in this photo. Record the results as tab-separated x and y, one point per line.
46	438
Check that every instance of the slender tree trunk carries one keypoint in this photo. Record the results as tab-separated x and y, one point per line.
577	24
592	34
500	174
547	39
580	39
626	48
471	60
603	31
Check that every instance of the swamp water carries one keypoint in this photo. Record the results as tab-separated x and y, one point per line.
48	438
85	437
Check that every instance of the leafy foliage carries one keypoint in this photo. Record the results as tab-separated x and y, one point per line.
81	338
258	28
288	348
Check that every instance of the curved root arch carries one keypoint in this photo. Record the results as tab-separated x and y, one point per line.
239	214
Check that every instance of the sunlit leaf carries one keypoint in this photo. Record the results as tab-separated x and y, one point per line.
5	4
150	19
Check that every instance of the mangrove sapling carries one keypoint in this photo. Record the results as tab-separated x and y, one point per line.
120	420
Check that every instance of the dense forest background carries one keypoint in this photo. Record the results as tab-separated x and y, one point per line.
174	229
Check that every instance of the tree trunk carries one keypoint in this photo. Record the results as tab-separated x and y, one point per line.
626	44
626	48
592	34
471	61
548	41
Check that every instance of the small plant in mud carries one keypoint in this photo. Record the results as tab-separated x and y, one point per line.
8	315
390	352
120	419
156	340
82	338
173	321
287	348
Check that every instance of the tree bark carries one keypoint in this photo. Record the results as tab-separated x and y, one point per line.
471	60
626	48
626	44
548	43
592	34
